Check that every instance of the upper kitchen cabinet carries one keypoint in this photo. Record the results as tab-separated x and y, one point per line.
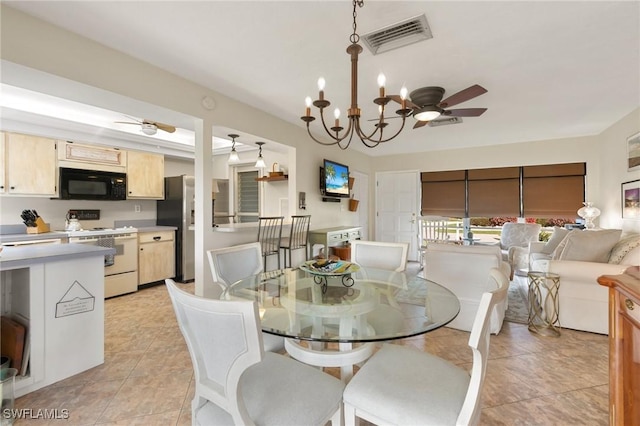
28	165
78	156
145	175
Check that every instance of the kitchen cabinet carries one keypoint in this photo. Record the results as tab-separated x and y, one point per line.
145	175
78	156
29	165
624	346
156	256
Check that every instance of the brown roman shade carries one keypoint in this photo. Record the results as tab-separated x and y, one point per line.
546	191
494	192
555	190
443	193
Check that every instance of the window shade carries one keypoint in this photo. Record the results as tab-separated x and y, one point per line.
555	190
443	193
548	191
248	196
494	192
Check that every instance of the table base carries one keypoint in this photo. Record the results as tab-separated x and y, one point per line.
345	357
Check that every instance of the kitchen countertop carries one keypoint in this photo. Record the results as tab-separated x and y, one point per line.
26	256
4	238
156	228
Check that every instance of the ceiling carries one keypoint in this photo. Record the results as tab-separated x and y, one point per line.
552	69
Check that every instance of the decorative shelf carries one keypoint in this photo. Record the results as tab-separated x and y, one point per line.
272	179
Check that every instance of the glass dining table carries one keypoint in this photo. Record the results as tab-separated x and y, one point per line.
333	319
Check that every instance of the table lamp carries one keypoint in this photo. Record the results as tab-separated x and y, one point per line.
588	213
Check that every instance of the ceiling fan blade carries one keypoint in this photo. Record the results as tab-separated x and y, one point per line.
407	102
165	127
420	124
126	122
463	96
465	112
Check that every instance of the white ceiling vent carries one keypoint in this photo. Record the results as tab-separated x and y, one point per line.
445	121
401	34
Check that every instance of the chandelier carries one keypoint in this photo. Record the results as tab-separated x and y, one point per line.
377	135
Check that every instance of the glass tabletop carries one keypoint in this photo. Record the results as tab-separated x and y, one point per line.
372	305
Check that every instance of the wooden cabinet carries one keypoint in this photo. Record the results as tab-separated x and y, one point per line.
624	346
145	175
29	165
79	156
155	256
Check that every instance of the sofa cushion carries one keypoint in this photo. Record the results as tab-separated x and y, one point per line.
623	248
556	238
589	246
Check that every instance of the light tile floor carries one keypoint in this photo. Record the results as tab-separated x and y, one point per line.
147	375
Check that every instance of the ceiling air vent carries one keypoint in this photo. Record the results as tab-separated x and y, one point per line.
401	34
445	121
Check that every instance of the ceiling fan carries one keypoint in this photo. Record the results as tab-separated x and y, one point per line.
426	103
149	127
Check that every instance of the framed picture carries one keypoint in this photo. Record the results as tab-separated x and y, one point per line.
633	142
631	200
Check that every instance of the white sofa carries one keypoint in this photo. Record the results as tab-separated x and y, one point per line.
465	271
583	303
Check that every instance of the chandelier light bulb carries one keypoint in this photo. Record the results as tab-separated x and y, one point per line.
381	80
307	102
321	84
403	93
336	113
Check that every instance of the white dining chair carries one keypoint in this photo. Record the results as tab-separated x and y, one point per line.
236	382
400	385
380	255
433	229
231	264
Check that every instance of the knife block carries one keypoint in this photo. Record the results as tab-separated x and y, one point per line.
40	227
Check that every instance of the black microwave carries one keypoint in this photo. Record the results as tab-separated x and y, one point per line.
79	184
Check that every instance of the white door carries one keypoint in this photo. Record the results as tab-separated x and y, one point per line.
396	209
360	192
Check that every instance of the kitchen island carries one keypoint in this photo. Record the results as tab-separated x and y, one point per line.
57	292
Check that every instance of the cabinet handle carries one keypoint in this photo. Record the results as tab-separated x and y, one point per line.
157	238
13	187
141	249
629	304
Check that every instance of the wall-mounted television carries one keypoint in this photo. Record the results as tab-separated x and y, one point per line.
334	179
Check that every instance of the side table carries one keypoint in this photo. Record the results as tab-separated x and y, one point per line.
543	303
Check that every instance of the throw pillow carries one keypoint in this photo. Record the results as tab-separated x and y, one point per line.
623	247
555	240
555	255
590	246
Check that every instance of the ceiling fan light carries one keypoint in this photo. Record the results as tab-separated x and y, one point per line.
148	129
427	113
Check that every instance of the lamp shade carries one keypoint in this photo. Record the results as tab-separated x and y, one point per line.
588	213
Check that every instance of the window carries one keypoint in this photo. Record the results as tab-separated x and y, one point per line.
247	194
544	191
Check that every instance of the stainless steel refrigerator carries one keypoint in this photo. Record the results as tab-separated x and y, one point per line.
177	209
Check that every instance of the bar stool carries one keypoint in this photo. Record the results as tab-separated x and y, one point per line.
298	237
270	236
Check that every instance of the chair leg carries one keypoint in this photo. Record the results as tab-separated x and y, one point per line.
349	415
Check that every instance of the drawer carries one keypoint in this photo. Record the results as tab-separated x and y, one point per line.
630	308
336	237
152	237
354	235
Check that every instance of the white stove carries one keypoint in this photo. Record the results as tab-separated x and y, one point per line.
121	268
102	232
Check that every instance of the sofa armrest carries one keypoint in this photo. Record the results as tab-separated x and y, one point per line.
584	271
536	246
